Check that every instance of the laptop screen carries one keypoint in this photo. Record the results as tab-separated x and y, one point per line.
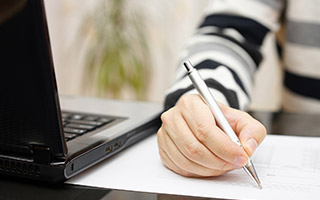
29	106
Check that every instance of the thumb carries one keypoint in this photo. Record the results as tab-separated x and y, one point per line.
251	135
250	131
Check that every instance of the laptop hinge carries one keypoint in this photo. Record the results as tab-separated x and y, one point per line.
41	154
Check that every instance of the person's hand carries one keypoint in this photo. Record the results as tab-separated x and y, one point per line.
191	144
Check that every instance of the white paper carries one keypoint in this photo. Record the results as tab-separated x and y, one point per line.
288	167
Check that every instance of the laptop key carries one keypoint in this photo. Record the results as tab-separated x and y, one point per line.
90	118
69	136
74	131
81	126
92	123
77	116
105	120
65	115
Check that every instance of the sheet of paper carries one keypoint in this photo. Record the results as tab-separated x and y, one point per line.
288	167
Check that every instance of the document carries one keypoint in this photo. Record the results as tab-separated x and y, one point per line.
288	167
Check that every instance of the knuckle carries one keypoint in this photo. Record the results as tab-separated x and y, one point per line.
225	166
184	101
202	132
230	151
189	101
159	135
193	151
246	115
160	131
165	118
260	129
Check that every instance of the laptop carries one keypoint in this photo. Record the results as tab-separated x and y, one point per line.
46	137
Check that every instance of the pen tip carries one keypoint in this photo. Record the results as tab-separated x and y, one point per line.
187	64
249	168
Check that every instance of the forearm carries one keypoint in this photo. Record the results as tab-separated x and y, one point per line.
226	51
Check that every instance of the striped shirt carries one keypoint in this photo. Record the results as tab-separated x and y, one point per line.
226	51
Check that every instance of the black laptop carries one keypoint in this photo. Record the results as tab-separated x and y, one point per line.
43	136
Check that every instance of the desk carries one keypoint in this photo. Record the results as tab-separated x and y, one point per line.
276	123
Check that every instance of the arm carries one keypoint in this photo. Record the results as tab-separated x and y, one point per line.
226	52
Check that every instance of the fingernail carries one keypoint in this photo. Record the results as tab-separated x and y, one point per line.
251	145
240	161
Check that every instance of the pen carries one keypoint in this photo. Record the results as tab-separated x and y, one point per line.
221	120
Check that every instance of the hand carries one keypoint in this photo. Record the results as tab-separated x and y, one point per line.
191	144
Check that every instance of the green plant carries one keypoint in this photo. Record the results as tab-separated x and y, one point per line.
117	57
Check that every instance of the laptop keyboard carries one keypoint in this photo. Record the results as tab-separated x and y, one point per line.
76	124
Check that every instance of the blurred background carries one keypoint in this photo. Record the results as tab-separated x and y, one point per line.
129	49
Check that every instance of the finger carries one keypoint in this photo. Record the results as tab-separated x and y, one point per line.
251	132
251	136
184	163
206	131
173	167
166	159
189	146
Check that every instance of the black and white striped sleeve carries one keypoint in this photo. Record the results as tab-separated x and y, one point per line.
226	49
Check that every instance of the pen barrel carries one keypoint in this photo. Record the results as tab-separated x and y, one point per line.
208	98
220	119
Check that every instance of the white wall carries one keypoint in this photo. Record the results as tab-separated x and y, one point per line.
170	23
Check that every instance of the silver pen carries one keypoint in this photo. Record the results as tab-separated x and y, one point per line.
221	120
